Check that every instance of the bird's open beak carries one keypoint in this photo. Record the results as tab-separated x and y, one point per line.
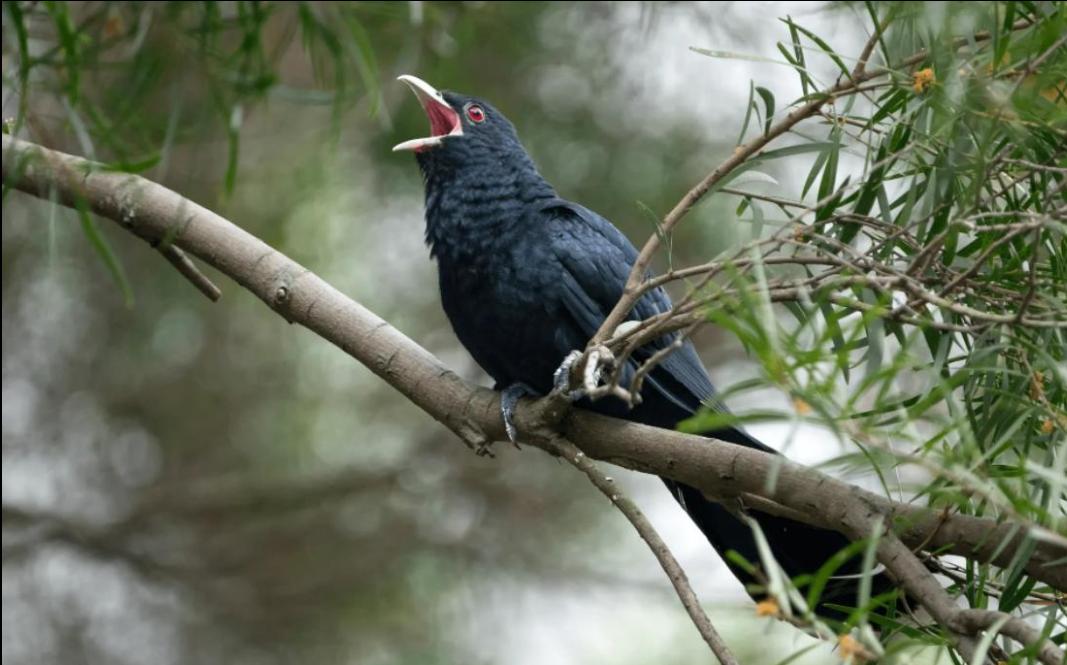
444	121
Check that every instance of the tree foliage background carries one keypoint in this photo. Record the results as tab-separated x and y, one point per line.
185	481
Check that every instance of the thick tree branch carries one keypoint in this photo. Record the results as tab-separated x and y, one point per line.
722	470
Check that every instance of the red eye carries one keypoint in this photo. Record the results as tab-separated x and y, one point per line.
476	114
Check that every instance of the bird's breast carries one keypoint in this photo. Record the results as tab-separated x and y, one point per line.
501	308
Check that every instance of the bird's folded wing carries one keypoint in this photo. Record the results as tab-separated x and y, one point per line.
596	260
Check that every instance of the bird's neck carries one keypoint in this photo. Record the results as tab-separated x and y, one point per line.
470	208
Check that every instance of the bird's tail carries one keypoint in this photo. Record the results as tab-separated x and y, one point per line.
799	549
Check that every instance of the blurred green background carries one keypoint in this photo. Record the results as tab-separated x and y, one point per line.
195	482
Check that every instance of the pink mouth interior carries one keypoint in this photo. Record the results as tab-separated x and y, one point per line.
443	120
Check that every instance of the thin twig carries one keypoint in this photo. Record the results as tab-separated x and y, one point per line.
663	554
958	574
974	621
188	269
868	48
172	253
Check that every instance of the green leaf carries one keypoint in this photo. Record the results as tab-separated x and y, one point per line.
757	220
753	176
799	149
110	259
708	420
666	240
748	112
806	84
816	167
768	105
897	100
365	61
22	39
135	166
836	336
826	571
796	655
233	145
68	39
731	55
828	184
820	43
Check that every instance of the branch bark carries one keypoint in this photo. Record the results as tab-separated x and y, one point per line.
721	470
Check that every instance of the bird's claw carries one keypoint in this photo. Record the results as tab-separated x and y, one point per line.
561	378
509	398
599	358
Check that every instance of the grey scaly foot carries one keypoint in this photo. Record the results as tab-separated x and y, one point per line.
509	397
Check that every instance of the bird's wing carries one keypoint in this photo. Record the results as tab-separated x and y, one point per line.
596	259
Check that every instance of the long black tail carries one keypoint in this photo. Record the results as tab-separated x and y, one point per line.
799	549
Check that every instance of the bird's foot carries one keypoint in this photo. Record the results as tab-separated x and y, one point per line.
561	378
599	358
509	398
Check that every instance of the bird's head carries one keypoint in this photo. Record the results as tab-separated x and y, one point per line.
464	131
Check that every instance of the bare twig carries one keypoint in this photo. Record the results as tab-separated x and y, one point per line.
868	48
958	574
975	621
174	255
644	528
188	269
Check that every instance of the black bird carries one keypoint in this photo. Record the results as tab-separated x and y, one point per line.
526	277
